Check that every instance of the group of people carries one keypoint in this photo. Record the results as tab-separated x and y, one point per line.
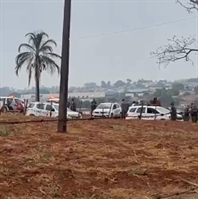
191	112
72	105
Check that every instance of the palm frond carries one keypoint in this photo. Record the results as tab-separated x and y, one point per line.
30	35
29	69
45	49
43	34
49	42
53	55
49	64
39	38
32	38
36	38
21	59
27	46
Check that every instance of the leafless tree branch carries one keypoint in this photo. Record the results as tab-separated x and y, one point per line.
177	49
191	5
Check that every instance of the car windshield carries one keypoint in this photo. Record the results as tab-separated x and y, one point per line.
19	101
31	105
163	110
104	106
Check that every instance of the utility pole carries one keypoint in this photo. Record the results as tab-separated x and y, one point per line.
63	95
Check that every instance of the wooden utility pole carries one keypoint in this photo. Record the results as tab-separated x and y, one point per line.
63	95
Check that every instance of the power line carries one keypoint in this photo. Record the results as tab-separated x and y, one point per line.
134	29
89	1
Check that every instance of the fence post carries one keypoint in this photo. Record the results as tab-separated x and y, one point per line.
141	110
25	106
80	107
110	110
51	109
3	106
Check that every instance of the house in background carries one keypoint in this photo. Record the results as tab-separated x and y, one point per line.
137	92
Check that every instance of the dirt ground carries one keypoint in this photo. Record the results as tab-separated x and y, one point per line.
99	159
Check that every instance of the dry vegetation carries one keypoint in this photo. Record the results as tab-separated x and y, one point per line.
103	159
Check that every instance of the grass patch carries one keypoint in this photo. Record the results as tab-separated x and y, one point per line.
4	132
119	128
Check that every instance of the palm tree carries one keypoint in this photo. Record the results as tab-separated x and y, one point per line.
39	57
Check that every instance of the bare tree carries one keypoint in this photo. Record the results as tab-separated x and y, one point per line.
177	48
190	5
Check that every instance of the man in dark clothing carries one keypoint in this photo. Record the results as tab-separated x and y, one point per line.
194	114
187	114
73	105
93	106
173	112
68	104
124	110
134	103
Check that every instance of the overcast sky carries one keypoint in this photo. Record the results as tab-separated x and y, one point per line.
123	54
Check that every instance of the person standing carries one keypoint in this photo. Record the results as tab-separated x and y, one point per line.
194	114
133	103
124	107
187	114
73	105
68	104
173	112
93	106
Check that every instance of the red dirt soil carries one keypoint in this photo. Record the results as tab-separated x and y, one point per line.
99	159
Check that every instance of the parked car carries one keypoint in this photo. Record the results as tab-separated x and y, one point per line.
107	110
150	113
40	109
11	104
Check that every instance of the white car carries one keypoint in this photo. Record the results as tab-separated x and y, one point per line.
11	103
150	113
40	109
107	110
